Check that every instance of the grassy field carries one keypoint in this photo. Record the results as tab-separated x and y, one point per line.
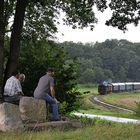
86	106
91	108
95	130
91	88
126	100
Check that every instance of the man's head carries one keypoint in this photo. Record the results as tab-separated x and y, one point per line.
21	77
50	71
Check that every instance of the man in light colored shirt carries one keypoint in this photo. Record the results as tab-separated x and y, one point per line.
13	87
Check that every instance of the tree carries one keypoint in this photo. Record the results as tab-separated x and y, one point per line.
1	43
88	76
124	12
36	61
40	17
43	12
99	74
13	60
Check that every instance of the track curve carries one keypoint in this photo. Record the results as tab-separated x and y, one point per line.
109	106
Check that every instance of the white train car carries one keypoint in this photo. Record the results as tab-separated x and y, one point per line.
118	87
115	87
129	86
122	86
136	85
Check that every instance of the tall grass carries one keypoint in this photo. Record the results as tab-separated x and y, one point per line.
95	130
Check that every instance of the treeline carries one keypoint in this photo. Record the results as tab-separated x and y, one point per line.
116	60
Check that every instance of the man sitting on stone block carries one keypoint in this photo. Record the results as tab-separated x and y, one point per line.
13	90
45	90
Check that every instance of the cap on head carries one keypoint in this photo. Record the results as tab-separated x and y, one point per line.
50	69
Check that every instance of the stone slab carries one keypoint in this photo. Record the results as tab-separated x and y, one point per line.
32	110
10	118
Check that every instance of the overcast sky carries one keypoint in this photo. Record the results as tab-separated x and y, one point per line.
100	33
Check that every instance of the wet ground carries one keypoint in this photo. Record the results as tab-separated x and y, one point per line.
110	118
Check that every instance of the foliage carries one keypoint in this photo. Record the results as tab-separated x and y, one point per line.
34	61
124	12
41	17
118	60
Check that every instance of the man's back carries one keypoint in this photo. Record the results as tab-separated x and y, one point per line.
12	86
43	86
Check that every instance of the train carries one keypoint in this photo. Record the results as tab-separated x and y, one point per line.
106	88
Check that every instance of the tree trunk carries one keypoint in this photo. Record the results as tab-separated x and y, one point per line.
2	28
13	59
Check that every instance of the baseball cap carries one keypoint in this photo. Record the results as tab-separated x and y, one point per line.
50	69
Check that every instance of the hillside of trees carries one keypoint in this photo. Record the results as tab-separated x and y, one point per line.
116	60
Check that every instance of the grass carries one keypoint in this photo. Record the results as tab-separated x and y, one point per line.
94	130
86	106
116	99
89	88
91	108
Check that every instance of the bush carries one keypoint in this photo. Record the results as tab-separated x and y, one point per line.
36	58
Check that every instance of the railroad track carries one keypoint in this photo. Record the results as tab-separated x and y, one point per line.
96	100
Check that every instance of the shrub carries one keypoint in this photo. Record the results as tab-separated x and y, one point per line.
36	57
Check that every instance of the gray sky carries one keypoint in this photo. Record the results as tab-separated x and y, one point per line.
100	33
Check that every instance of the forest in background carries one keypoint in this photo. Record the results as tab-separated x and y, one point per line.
113	60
